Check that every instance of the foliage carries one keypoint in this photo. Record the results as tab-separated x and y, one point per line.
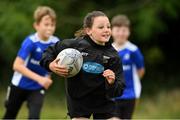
149	19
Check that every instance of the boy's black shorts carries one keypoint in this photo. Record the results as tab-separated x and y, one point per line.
125	108
15	98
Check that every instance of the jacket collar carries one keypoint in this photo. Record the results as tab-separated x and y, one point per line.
107	44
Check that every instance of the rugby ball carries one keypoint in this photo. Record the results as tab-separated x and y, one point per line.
72	59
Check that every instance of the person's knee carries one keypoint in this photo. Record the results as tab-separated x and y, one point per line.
34	111
34	115
114	118
80	118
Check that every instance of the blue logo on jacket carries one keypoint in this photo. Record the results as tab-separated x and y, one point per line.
92	67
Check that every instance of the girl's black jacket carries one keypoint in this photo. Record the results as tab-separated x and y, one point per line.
88	91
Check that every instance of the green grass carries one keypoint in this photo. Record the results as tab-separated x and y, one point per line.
165	105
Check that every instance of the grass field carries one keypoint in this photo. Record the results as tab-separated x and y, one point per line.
164	105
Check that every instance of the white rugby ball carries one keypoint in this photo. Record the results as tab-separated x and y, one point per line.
72	59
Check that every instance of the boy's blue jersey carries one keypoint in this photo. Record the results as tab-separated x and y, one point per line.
31	52
132	60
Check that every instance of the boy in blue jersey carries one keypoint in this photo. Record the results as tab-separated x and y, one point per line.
133	66
30	80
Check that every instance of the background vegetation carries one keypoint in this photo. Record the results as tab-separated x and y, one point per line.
155	29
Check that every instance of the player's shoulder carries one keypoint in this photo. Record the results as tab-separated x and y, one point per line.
131	46
28	40
68	41
72	42
54	39
34	38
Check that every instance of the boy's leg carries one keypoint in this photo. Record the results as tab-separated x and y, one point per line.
80	118
127	107
119	108
14	100
35	103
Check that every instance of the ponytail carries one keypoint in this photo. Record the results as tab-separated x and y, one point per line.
80	33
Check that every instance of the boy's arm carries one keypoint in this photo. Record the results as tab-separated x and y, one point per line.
138	59
26	49
141	72
19	66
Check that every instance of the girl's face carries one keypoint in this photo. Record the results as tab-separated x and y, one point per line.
100	31
120	34
45	28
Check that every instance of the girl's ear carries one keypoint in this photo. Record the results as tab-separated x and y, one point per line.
88	31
